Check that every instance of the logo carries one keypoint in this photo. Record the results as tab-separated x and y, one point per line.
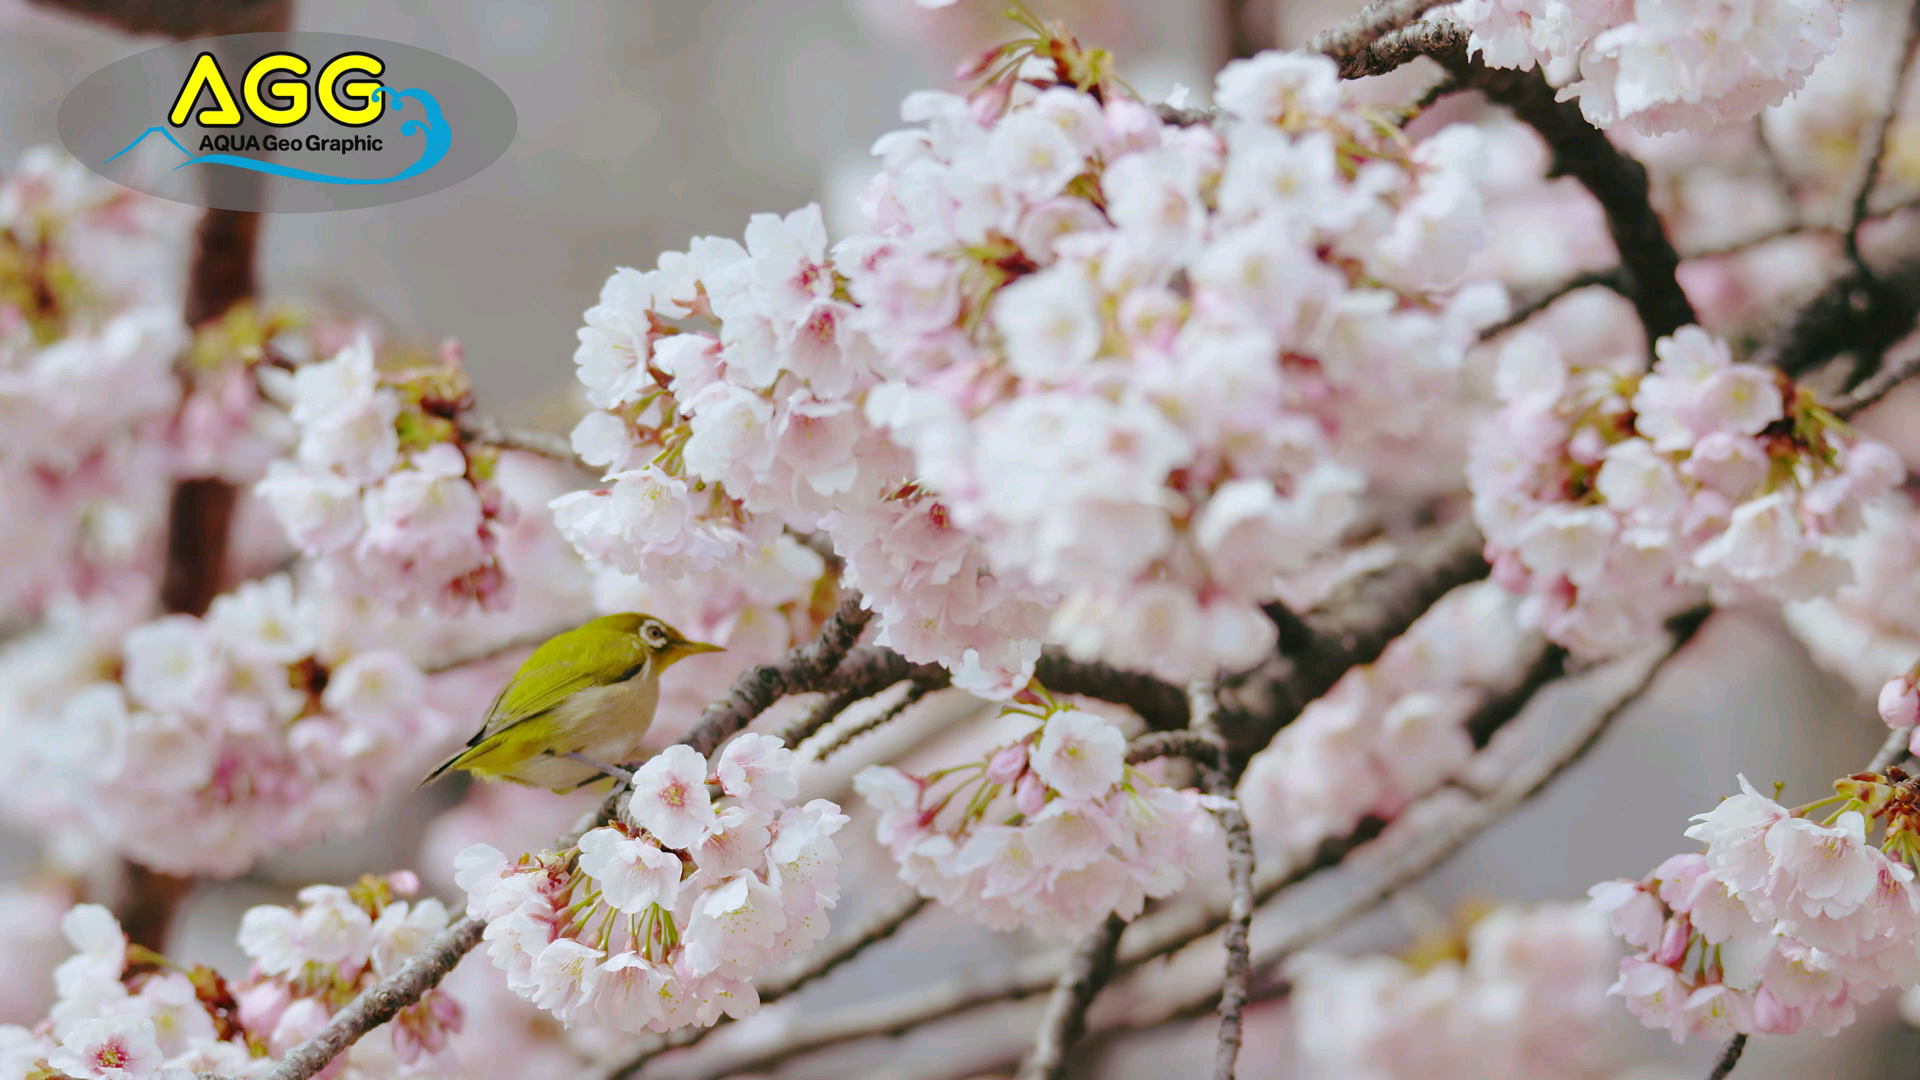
289	122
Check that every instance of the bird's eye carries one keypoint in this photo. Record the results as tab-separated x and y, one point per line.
654	635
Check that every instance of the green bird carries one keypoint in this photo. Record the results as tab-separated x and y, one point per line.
578	706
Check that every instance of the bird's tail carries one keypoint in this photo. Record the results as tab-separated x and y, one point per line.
465	751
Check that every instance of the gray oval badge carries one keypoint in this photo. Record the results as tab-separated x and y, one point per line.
289	122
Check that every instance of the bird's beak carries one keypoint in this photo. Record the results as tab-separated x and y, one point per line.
680	650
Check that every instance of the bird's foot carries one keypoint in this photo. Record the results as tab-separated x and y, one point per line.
614	771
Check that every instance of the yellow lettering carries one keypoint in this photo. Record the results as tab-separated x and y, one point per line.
256	87
206	75
335	96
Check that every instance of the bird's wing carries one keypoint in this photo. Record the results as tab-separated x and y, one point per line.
552	675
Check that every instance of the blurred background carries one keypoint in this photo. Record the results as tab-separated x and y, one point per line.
642	123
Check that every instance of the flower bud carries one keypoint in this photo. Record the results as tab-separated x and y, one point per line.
1900	702
1007	764
1673	943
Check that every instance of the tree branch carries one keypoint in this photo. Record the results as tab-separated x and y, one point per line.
1351	629
1876	150
1400	48
1891	751
1728	1058
1066	1018
1239	970
1857	313
489	431
1648	261
1527	309
1361	30
805	668
1160	703
379	1003
1882	383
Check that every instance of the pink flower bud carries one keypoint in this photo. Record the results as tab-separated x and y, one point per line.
1771	1016
1031	795
1900	702
403	882
1007	764
1673	944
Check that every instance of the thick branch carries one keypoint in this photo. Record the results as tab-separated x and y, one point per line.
1399	48
1066	1018
1161	704
1855	313
1361	30
1648	261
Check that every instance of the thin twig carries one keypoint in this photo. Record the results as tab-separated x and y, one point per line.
1728	1058
1066	1017
1233	820
1882	383
915	691
803	670
489	431
1891	751
1876	151
1606	279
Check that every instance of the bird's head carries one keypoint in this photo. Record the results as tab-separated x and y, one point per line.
667	645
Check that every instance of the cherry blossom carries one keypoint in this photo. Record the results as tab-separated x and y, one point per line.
1787	920
1669	65
1526	1000
998	840
1630	495
664	920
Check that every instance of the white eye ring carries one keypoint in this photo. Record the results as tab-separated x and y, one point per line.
655	635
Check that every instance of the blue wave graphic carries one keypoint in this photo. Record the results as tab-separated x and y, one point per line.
434	126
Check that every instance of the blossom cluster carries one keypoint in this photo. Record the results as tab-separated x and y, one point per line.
1871	626
1088	376
1052	832
1391	731
214	740
663	919
126	1013
1661	65
382	493
1784	921
1526	1001
310	961
1613	498
84	475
